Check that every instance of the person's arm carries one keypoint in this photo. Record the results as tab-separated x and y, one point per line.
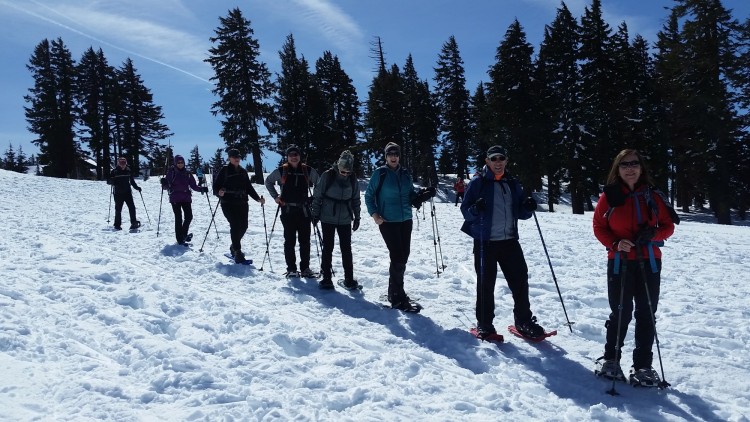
271	180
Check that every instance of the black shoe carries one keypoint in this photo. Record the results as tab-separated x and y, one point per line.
326	284
307	273
189	237
530	328
239	257
135	225
484	331
116	228
351	284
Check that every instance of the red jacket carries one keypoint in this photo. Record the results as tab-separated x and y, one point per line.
622	222
459	186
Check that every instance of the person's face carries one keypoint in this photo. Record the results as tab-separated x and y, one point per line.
630	169
293	158
235	161
180	164
122	163
392	158
497	163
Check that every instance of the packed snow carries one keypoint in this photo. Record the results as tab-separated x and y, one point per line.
96	324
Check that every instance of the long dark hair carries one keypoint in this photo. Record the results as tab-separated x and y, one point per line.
614	171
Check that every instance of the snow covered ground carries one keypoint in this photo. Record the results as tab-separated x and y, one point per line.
96	324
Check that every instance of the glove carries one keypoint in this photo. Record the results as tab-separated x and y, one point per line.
529	204
426	193
138	188
164	183
355	224
479	206
315	220
645	234
204	189
110	181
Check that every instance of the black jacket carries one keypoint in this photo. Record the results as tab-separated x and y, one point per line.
236	184
122	179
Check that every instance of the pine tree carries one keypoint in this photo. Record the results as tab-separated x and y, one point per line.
483	132
9	162
421	124
512	94
21	161
51	111
195	161
452	99
243	86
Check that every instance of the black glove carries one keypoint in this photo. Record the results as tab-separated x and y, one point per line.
426	193
529	204
315	220
164	183
204	189
645	234
110	181
479	206
355	224
138	188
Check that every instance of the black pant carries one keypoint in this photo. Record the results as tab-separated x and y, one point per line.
182	226
459	195
509	255
236	214
296	224
345	245
397	237
126	199
634	294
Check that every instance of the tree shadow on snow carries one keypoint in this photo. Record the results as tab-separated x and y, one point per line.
454	343
569	379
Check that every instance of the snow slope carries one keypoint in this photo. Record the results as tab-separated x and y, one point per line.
96	324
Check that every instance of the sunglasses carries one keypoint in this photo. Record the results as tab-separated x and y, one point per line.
345	173
180	162
393	154
498	158
292	154
629	164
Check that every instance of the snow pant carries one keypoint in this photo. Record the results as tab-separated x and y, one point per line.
459	196
509	255
182	225
124	199
397	237
345	245
236	214
297	225
634	304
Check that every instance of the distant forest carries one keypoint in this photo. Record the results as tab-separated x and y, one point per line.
562	113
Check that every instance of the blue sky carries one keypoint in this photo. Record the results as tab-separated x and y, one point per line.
168	40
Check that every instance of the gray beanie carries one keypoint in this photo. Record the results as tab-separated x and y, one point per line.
392	147
346	162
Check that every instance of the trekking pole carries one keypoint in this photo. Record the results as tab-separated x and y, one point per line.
318	245
663	384
265	228
618	350
144	207
166	160
278	208
158	221
435	224
569	324
111	193
199	172
213	214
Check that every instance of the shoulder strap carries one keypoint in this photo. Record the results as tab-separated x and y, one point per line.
381	179
283	170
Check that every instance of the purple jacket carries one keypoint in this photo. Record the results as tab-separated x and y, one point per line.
179	183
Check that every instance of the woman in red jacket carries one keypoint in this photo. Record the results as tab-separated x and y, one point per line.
632	219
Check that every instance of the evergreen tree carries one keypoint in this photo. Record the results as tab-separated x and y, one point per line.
243	86
512	95
217	162
21	161
95	82
559	100
9	162
452	99
421	124
483	132
195	161
51	112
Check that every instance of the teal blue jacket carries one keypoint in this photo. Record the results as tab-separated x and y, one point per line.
393	202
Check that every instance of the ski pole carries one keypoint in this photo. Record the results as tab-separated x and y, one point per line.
213	214
268	241
158	221
618	350
111	193
663	384
436	229
144	207
199	172
265	228
544	245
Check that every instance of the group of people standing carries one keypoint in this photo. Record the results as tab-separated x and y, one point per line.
632	219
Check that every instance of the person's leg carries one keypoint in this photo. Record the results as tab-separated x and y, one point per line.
328	242
613	294
486	268
290	239
513	265
644	325
177	210
345	245
119	201
131	208
187	209
304	226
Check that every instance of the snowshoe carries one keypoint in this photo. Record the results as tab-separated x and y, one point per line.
326	284
608	368
308	273
188	238
350	284
292	274
644	377
530	330
487	335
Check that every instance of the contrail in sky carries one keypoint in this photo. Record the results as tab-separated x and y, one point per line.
91	37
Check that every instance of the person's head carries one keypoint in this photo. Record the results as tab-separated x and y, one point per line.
293	153
122	162
630	168
234	157
392	154
346	163
496	159
179	162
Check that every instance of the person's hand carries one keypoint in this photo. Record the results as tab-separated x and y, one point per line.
221	192
278	200
529	204
262	200
315	220
204	189
479	206
645	234
624	245
164	183
355	224
138	188
378	219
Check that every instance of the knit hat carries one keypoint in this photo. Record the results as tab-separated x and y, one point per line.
234	152
178	159
392	147
496	150
346	162
293	148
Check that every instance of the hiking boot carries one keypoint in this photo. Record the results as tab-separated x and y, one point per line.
117	228
530	328
351	284
239	257
484	332
326	284
188	238
307	273
609	368
644	377
135	225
